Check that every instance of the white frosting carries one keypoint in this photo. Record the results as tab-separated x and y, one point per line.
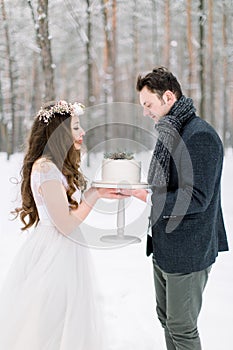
121	171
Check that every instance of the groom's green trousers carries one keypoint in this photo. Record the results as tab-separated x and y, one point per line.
179	300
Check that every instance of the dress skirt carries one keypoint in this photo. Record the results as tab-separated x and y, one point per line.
49	299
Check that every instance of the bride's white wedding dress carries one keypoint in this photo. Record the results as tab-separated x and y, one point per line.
48	301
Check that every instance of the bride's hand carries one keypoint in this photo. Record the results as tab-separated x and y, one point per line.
112	193
91	195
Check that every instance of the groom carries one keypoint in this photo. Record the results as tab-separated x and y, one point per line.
186	217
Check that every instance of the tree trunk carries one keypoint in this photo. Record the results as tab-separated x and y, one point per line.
201	60
114	49
11	146
107	52
155	41
135	50
166	52
211	63
90	88
226	131
2	124
44	42
190	49
107	67
35	100
1	101
45	46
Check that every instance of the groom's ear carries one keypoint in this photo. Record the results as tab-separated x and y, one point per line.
169	97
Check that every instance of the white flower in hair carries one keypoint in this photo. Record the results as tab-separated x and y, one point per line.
61	107
78	108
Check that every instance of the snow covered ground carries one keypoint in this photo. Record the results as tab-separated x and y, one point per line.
125	276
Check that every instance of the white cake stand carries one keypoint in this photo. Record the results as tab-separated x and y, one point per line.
120	237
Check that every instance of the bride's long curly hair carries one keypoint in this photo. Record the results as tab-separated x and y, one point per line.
52	141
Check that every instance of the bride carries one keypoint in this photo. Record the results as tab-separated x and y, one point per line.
48	301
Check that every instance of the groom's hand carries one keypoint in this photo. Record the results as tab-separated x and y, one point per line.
140	194
112	193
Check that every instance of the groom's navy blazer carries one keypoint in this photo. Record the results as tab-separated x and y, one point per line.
187	222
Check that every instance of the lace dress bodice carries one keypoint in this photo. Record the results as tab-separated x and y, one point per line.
47	171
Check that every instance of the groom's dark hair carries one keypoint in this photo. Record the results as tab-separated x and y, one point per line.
158	81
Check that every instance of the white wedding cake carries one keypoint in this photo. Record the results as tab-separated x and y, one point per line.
121	171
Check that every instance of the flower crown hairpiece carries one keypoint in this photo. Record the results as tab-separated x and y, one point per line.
61	107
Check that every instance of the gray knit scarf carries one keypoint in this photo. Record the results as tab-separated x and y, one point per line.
169	129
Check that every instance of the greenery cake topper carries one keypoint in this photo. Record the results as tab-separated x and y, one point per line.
118	155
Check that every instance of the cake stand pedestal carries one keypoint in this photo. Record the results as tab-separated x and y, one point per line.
120	237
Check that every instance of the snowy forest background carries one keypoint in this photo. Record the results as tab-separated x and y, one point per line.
92	51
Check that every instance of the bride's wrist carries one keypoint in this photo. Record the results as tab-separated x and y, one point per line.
91	196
